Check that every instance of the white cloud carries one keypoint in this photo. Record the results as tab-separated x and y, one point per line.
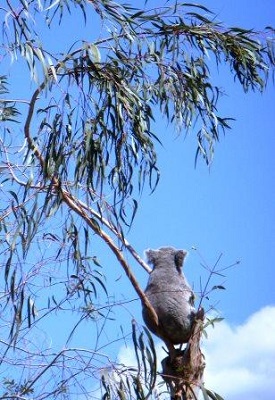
240	360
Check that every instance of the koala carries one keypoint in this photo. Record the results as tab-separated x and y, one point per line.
170	295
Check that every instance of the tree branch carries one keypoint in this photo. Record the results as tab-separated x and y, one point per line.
74	205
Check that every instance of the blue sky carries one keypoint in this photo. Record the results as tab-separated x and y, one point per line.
228	209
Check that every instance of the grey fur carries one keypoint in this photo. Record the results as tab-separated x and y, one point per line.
170	295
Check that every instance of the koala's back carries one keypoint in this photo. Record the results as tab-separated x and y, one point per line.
171	297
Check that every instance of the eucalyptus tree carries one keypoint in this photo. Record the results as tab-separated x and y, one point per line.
82	83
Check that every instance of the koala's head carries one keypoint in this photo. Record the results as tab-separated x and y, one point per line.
166	257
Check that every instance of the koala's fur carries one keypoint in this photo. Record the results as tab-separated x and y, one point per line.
170	295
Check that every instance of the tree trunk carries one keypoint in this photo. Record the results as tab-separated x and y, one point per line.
183	371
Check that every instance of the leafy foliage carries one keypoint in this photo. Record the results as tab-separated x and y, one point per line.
138	381
82	151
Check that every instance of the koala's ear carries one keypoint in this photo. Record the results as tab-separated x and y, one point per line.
179	258
151	256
